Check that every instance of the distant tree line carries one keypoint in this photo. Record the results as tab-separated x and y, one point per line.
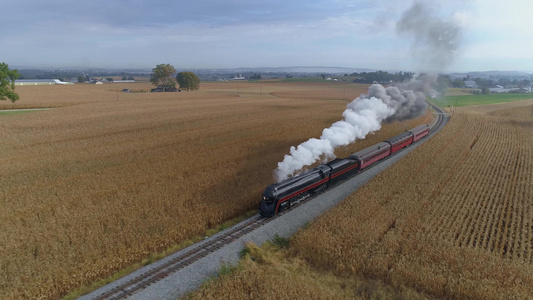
505	82
255	76
66	75
483	84
381	77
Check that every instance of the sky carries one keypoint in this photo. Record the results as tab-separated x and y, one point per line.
212	34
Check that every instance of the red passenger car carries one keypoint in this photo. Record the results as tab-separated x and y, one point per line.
420	132
400	141
371	154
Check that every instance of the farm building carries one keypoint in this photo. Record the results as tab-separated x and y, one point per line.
164	88
40	82
470	84
238	77
35	82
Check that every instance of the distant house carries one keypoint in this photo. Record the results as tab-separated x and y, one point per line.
238	77
470	84
164	88
499	90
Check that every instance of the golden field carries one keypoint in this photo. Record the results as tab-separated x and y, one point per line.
451	220
105	179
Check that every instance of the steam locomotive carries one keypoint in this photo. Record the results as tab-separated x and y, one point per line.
282	195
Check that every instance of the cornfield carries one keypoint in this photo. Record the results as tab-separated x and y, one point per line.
451	220
107	179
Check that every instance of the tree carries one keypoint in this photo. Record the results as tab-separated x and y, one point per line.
162	75
188	81
256	76
458	83
482	82
7	83
442	83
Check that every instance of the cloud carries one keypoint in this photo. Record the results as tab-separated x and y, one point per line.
223	33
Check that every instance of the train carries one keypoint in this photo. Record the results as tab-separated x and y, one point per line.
280	196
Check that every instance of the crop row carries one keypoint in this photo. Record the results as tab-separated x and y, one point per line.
452	219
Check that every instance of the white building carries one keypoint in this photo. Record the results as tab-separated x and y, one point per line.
470	84
40	82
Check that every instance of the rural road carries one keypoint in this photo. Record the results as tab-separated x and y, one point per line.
189	278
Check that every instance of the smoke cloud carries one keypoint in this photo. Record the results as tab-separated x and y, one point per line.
361	117
435	41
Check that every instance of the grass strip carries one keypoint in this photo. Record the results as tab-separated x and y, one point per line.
466	100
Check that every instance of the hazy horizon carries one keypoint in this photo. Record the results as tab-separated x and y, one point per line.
208	34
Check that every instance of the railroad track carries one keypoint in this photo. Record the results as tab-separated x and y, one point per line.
143	280
203	249
440	121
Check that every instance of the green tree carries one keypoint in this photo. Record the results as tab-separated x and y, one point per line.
256	76
7	83
442	83
188	81
162	75
458	83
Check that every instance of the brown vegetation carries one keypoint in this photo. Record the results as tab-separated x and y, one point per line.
451	220
108	178
271	273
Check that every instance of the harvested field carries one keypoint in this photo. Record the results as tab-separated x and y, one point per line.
452	220
108	178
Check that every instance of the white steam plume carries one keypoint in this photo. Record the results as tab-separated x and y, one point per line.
361	117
